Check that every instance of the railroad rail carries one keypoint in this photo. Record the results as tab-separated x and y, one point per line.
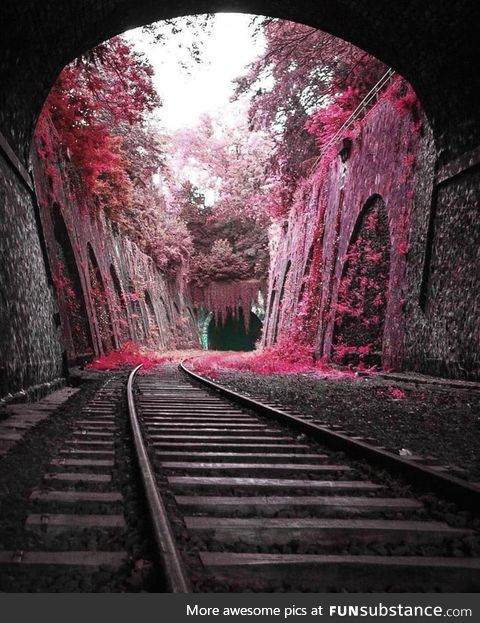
430	477
255	502
240	496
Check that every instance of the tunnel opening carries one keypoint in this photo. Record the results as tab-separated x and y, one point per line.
224	260
221	260
293	293
231	333
364	290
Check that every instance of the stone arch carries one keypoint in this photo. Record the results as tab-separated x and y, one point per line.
99	297
121	312
438	66
280	302
363	291
70	290
154	334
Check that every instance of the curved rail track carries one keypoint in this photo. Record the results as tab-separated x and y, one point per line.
241	496
246	497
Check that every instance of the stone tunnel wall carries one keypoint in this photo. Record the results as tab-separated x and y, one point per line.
108	291
431	315
30	340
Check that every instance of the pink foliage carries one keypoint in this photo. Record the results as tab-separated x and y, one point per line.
396	393
92	131
286	357
392	392
362	294
326	122
130	355
230	160
308	67
227	297
405	100
221	264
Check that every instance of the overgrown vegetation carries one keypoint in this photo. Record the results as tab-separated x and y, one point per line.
200	201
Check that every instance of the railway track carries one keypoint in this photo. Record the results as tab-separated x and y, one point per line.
244	501
241	497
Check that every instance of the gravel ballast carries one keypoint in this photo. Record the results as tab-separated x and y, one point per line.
22	473
437	421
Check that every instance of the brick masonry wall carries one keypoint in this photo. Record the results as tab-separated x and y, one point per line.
443	331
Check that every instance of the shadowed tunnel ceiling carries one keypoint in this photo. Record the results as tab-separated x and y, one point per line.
434	44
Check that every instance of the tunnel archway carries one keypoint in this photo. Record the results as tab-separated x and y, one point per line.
100	303
433	49
231	334
364	289
69	285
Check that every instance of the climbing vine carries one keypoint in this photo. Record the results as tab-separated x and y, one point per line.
363	291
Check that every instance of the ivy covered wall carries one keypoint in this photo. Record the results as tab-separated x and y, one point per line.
108	291
332	282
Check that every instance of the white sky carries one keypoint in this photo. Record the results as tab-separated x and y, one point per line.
226	53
